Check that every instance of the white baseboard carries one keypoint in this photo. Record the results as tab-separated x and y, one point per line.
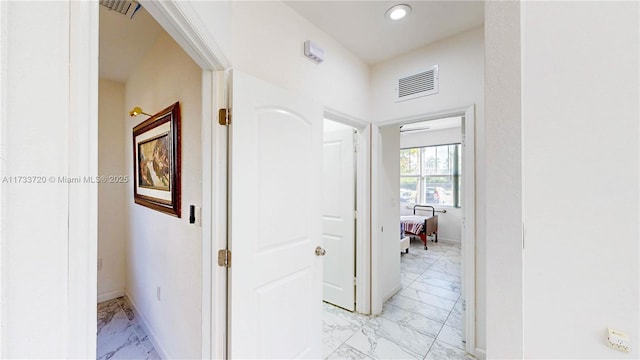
393	291
147	329
481	354
110	295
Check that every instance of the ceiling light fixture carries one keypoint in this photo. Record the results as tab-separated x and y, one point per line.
137	111
398	12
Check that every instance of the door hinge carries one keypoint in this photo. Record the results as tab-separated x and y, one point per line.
224	117
224	258
355	214
355	281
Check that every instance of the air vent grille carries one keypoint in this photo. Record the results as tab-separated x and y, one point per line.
121	6
416	85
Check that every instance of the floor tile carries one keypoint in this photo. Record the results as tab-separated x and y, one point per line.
340	323
429	299
119	335
431	312
442	351
445	284
329	345
412	320
430	273
423	321
347	352
384	339
118	340
412	268
436	290
451	336
455	320
447	267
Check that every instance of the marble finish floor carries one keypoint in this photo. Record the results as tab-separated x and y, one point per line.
120	335
423	321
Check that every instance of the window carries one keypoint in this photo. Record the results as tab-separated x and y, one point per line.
431	175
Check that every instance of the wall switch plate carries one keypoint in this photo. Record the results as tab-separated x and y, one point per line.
619	341
198	216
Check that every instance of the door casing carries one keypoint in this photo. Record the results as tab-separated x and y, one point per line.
177	20
469	212
363	204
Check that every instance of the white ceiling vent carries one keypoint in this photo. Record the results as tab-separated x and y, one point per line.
417	85
121	6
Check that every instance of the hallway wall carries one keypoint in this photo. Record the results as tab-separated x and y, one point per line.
111	196
162	250
581	260
461	70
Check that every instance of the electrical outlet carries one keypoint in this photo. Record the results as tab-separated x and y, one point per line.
158	293
619	341
99	264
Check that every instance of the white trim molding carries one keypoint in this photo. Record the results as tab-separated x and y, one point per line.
363	243
148	330
3	142
83	200
468	246
181	21
468	243
184	25
110	295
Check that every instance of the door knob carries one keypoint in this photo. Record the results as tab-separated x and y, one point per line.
320	251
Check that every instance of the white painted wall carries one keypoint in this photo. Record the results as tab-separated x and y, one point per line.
389	210
163	250
111	196
503	183
449	223
265	39
461	69
35	142
580	111
267	42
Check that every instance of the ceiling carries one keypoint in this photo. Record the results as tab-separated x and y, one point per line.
124	41
361	26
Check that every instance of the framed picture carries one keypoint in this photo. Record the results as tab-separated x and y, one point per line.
156	161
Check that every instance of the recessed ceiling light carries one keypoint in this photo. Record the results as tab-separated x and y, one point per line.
398	12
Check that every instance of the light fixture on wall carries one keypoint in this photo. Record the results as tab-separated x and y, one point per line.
137	111
398	12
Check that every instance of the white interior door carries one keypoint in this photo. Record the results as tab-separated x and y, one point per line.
338	216
275	223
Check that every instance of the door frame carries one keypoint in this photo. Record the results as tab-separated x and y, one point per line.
363	205
468	241
180	20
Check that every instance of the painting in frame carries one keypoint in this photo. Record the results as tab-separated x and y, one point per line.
156	161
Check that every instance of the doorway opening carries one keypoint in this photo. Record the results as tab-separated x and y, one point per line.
358	164
434	168
154	267
339	214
